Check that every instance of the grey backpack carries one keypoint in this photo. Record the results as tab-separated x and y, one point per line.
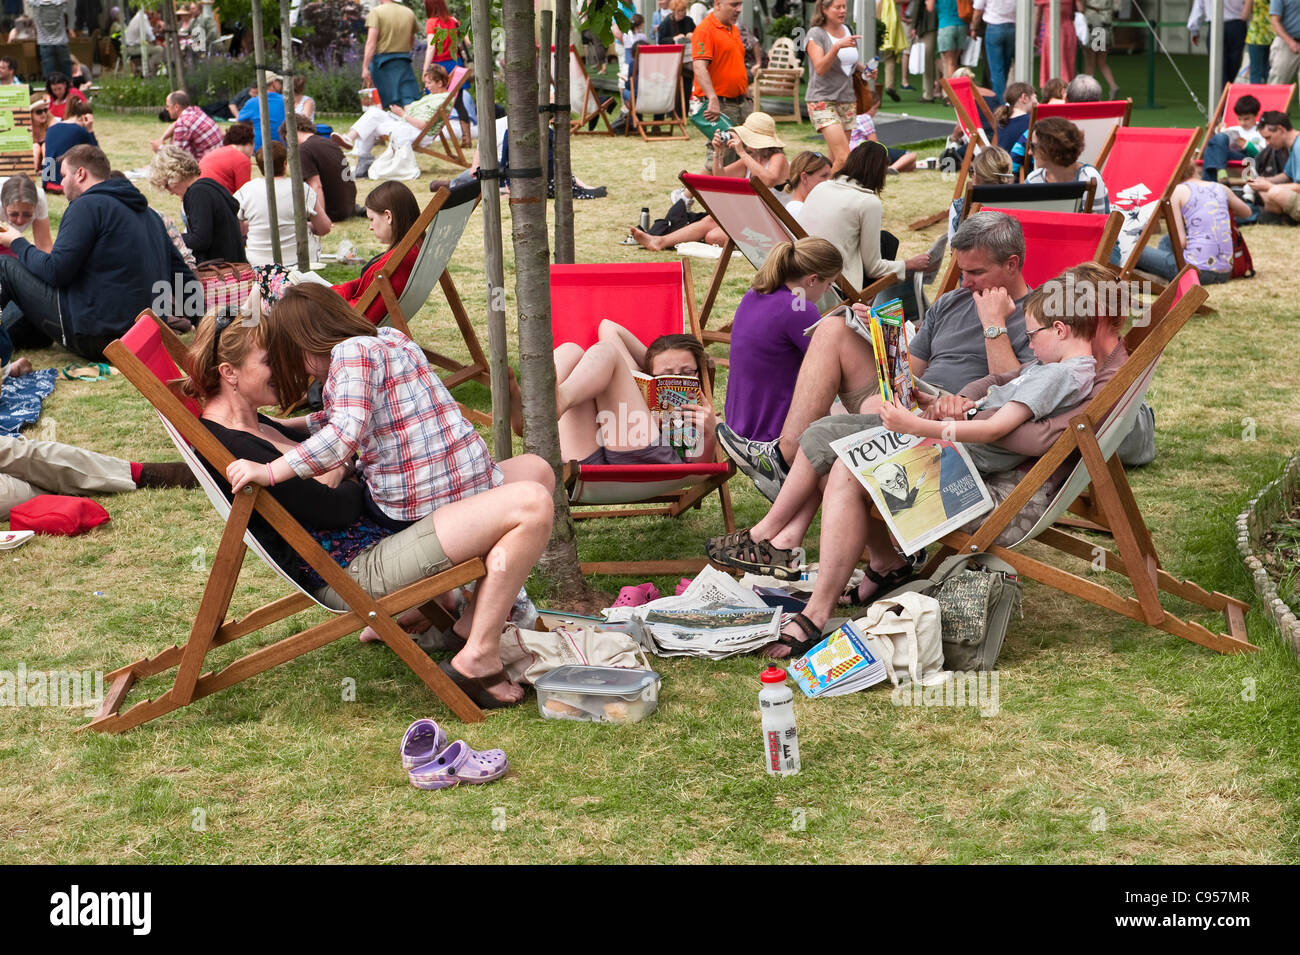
977	595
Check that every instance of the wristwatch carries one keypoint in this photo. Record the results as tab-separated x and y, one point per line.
993	331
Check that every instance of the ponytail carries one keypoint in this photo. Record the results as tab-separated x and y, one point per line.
789	261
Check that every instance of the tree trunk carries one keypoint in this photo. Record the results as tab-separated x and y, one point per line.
544	90
175	69
291	142
563	161
532	284
259	52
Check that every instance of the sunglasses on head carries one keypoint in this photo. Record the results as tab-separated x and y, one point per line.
225	318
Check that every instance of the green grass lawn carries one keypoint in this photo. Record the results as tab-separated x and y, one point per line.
1113	742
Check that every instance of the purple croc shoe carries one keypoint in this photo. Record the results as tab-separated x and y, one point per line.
424	740
459	764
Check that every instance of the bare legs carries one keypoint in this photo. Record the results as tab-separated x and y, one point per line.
837	144
838	359
706	230
790	515
598	401
1094	60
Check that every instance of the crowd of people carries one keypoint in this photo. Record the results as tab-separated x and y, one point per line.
388	474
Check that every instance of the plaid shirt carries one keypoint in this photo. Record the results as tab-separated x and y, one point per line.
196	132
416	450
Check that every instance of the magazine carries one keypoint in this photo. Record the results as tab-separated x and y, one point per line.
715	617
885	330
669	392
842	663
923	487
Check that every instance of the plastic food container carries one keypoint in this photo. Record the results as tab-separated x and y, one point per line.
598	694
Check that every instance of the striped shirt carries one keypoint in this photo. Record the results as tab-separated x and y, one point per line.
196	132
383	402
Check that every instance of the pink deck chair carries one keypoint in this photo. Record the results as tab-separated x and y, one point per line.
1142	168
1056	241
976	122
649	299
1097	122
1270	95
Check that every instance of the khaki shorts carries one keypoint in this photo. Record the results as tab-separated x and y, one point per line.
825	113
1292	205
397	561
816	440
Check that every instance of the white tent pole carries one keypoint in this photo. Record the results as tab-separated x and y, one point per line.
1217	79
864	17
1054	36
1024	71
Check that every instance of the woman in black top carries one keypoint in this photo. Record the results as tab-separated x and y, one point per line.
211	213
677	24
506	526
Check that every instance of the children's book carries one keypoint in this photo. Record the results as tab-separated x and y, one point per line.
669	392
923	487
840	664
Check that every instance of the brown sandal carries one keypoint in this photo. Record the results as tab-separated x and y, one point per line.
740	550
476	687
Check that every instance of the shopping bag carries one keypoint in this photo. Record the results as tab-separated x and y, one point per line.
971	55
916	58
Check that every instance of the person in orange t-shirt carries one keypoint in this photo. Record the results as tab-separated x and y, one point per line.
718	60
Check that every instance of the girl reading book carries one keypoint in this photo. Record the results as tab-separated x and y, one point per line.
603	412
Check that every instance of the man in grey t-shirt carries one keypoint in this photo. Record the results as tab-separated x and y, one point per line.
52	22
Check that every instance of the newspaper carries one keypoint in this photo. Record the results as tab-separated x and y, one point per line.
714	618
923	487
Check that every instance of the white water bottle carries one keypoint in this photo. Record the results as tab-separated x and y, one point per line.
780	737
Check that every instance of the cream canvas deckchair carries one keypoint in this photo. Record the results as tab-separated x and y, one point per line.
657	90
443	145
438	230
755	223
146	355
974	118
583	93
1086	451
1097	121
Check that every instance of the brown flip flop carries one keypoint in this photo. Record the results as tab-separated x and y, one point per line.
476	687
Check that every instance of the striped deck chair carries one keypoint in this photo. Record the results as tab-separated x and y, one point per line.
755	223
583	295
147	355
1086	454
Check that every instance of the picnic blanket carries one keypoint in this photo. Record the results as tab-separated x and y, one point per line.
21	398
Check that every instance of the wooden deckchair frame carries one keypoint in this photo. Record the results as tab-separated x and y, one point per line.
674	119
723	334
1114	222
584	115
382	287
970	205
1112	500
666	505
452	151
1221	109
976	139
211	629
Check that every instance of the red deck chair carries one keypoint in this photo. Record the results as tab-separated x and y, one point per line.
147	355
1055	241
650	300
976	122
1097	121
755	223
1142	168
1270	95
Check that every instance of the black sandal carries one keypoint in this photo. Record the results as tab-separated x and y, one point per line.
812	634
740	550
852	596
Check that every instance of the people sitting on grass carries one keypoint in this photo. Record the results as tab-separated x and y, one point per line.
864	130
191	129
992	167
1056	144
325	169
603	414
60	92
1279	195
1040	396
1203	214
847	210
231	165
303	104
211	213
806	170
23	206
251	111
253	211
767	163
110	257
768	339
401	125
392	210
78	129
430	496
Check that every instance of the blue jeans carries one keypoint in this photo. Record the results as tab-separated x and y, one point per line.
55	59
1160	262
1258	61
1000	47
1216	156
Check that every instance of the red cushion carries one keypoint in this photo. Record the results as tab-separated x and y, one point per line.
57	514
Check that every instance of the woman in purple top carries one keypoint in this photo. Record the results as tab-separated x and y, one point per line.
767	334
1203	213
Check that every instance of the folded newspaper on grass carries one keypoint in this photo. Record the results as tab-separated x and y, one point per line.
714	617
923	487
842	663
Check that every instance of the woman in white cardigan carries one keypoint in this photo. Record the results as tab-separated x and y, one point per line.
847	212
